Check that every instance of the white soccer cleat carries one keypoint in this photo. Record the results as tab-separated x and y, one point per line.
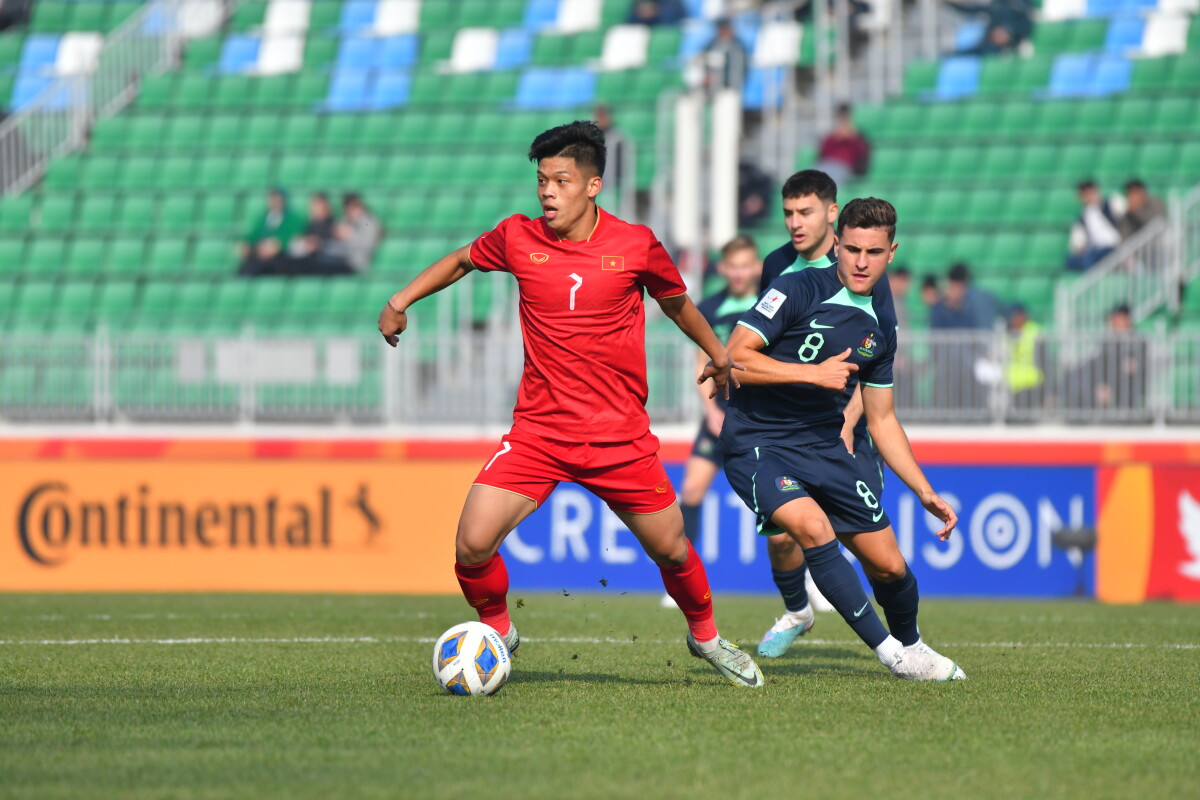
920	662
734	665
668	602
785	631
512	640
815	598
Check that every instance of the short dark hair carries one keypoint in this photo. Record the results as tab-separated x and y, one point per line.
900	272
1123	308
929	282
582	140
352	198
1135	183
868	212
959	272
810	181
1088	184
742	241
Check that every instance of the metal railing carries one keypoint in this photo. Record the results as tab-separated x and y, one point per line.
468	377
57	121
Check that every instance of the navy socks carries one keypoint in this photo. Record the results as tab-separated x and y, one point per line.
899	600
791	587
691	522
838	581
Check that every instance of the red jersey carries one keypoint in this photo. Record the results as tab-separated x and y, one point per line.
583	322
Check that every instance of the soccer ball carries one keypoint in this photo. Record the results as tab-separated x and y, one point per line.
471	659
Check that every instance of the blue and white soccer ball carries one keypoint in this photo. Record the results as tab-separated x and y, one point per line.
471	659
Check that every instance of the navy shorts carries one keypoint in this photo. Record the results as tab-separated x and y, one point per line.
846	487
705	446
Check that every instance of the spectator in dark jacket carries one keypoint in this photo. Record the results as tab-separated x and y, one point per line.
844	151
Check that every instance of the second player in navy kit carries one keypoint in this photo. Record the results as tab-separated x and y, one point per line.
813	334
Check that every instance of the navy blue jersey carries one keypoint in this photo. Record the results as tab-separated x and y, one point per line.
786	260
804	318
722	313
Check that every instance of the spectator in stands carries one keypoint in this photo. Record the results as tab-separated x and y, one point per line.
844	151
902	362
1026	356
901	281
725	59
358	233
1008	23
618	153
1140	208
1096	233
657	12
964	306
319	230
267	241
931	294
755	189
14	13
1115	379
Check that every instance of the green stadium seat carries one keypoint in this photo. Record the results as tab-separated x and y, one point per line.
1078	162
97	212
57	212
1060	205
978	119
983	207
138	212
1036	162
138	172
968	246
362	171
1188	167
15	211
157	299
251	172
998	75
100	172
308	89
1052	38
111	133
902	122
1177	115
197	298
999	162
920	77
1046	249
1018	119
1031	73
120	11
76	299
325	15
551	49
665	41
379	130
308	297
267	299
1186	73
117	300
438	14
176	172
214	257
213	171
435	45
888	163
177	213
1134	115
185	132
1116	162
168	255
193	91
1022	206
50	17
342	131
299	131
962	162
233	91
248	16
1007	252
293	169
946	207
126	255
223	131
11	44
203	55
1057	119
85	255
87	17
12	260
157	91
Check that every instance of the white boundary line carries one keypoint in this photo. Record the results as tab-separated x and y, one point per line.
550	640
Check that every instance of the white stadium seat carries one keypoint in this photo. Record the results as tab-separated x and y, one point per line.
200	18
474	49
625	47
287	16
778	44
393	17
78	53
1057	10
280	55
575	16
1166	34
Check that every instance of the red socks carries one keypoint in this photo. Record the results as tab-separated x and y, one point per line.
687	583
486	588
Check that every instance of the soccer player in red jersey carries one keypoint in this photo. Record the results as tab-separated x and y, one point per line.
580	413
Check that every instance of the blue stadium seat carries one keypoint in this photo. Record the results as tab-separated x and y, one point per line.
240	54
514	49
1071	75
397	52
357	53
958	77
69	92
390	90
1103	8
39	53
1113	74
1132	6
763	88
696	36
357	16
576	87
1125	33
969	34
27	87
745	27
537	88
540	14
349	90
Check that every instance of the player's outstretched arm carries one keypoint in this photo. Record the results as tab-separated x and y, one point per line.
745	347
892	441
393	319
683	312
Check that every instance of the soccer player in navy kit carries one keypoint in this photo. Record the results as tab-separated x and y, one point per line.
809	211
812	334
740	267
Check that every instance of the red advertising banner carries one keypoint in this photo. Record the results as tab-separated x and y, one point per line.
1175	563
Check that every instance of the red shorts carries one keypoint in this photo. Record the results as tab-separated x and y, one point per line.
628	476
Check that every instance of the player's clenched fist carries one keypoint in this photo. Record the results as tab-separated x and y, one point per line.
833	373
392	323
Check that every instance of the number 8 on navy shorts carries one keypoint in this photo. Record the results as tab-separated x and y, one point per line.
846	487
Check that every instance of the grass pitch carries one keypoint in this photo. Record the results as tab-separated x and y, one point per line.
265	696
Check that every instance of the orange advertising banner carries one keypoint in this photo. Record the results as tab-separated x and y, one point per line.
371	525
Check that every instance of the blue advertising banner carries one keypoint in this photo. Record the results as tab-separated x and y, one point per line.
1002	546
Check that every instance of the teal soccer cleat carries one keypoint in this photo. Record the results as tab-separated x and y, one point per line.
786	630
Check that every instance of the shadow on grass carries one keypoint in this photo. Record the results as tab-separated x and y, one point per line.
811	659
554	676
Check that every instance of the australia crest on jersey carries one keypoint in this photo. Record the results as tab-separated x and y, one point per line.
866	348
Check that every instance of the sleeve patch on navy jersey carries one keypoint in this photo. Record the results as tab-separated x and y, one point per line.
771	303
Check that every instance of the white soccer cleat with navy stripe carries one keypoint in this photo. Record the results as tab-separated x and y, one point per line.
920	662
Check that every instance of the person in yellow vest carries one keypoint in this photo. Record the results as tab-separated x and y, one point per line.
1023	373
